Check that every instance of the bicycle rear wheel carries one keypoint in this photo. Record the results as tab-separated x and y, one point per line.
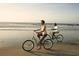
60	38
28	45
48	44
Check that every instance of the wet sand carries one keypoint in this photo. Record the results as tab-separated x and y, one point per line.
59	49
11	41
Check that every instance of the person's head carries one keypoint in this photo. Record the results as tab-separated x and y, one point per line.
55	24
42	22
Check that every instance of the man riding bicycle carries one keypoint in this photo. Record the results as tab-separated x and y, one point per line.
55	29
41	32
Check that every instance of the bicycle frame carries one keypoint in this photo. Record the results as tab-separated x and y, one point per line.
54	36
59	37
34	38
38	38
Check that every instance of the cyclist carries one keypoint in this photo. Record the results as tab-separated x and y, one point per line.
55	29
41	32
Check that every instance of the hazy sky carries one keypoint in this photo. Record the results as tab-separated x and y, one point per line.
30	12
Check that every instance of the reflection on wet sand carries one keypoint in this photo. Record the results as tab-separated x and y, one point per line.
59	49
11	43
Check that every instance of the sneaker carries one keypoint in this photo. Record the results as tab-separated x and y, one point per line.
38	47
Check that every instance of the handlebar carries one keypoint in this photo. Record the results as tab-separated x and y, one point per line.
53	29
34	30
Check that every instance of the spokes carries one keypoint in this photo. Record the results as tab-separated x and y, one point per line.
48	44
28	45
60	38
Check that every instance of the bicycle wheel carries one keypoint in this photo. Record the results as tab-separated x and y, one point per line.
28	45
48	44
60	38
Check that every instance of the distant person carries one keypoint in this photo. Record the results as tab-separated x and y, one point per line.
55	29
41	32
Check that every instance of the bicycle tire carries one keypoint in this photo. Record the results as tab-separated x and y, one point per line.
45	42
60	38
26	42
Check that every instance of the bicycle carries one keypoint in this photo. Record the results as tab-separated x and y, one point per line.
59	37
47	43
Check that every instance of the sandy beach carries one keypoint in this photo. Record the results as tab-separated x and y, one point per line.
59	49
11	44
19	20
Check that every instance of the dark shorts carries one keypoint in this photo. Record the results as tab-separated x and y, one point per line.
39	34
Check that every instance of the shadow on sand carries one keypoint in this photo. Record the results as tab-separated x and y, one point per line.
76	44
56	52
52	53
61	53
38	53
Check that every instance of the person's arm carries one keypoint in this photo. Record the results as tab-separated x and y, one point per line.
37	30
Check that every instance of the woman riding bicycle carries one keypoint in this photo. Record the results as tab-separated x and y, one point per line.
41	32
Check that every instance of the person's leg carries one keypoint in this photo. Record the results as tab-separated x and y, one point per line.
39	45
43	38
54	33
38	35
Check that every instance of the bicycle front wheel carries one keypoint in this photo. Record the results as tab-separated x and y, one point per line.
48	44
60	38
28	45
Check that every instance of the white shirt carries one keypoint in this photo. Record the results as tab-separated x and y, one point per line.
55	29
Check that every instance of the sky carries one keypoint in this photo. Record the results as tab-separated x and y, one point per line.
34	12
